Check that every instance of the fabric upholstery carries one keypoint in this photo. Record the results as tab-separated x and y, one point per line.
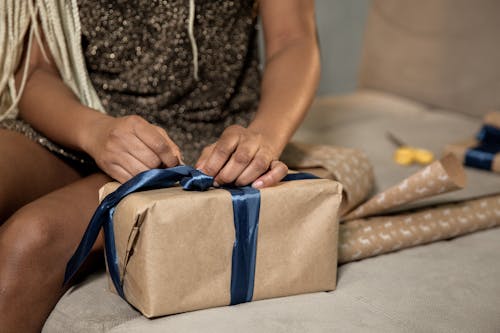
362	119
440	52
441	287
450	286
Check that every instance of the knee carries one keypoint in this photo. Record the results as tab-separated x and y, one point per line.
28	237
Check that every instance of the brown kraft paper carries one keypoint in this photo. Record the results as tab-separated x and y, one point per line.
441	176
350	167
175	247
368	237
460	149
364	236
492	118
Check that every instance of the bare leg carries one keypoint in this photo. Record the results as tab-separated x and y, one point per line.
27	171
35	245
38	239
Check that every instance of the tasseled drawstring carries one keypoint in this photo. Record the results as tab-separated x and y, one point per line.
194	47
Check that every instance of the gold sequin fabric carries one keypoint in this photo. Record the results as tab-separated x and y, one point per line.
139	58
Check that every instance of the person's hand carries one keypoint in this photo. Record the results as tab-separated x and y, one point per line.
242	156
124	147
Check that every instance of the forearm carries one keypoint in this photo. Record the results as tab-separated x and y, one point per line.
50	107
289	84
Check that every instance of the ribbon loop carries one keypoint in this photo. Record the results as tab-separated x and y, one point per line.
197	181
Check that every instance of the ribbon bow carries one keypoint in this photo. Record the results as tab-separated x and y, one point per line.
246	207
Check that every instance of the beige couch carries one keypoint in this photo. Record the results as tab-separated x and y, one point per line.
430	69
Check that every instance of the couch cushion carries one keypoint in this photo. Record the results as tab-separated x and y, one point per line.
440	52
362	119
449	286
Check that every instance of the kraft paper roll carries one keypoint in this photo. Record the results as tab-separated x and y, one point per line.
363	238
441	176
350	167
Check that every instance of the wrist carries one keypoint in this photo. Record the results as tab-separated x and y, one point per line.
273	135
89	129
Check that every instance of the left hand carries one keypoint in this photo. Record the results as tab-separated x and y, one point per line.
242	156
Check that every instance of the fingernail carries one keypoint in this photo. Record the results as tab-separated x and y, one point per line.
216	184
258	184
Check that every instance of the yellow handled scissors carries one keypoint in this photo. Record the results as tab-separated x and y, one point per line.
406	155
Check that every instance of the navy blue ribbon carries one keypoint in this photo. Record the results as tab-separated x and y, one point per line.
246	208
482	155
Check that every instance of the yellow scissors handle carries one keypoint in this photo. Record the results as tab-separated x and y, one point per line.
407	155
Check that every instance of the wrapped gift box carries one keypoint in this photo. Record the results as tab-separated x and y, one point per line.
482	152
174	247
465	152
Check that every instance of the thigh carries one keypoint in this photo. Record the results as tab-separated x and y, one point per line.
55	222
36	243
28	171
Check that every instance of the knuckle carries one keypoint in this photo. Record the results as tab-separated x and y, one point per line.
172	161
284	170
161	131
132	119
242	157
114	133
234	128
261	164
224	178
152	162
210	169
270	178
222	149
207	149
242	181
160	146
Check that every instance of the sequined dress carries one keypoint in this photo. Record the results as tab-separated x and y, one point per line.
140	61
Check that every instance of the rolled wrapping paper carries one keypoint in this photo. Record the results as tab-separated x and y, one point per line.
441	176
367	237
363	238
350	167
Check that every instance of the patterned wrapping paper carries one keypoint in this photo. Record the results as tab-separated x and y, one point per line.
363	238
439	177
350	167
461	149
365	232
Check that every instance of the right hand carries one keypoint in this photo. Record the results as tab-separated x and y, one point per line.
124	147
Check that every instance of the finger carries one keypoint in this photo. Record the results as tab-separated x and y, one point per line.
173	145
238	162
221	153
277	172
143	153
131	164
161	146
119	174
259	165
205	153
